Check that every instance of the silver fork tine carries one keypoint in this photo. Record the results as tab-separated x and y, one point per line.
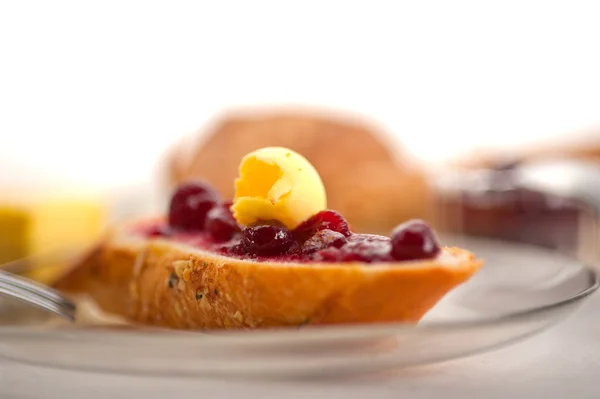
36	289
36	294
37	299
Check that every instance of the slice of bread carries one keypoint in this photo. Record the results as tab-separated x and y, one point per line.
164	283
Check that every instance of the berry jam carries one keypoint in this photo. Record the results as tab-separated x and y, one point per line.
268	242
198	218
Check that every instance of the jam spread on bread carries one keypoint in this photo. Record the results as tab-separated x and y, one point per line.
269	241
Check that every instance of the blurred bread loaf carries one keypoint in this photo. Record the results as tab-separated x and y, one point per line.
368	178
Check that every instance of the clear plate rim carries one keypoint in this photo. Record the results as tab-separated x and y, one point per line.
350	331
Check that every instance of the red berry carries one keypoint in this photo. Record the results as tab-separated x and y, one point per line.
327	255
266	239
323	239
414	240
359	248
190	204
328	219
220	222
235	248
366	248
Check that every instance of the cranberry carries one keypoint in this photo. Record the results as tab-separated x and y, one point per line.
328	219
328	255
359	248
220	222
295	250
266	239
189	206
235	248
366	248
414	240
323	239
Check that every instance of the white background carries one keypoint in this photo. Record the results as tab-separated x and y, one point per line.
92	92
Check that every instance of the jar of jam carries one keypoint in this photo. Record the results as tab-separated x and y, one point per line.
495	203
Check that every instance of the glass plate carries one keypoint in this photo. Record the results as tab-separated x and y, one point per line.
519	291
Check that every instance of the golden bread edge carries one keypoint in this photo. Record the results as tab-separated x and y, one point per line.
154	282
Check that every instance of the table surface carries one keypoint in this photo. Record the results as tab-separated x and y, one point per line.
561	361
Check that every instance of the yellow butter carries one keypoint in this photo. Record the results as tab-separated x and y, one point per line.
44	230
276	183
65	224
15	225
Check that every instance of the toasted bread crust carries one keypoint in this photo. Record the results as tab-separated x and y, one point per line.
154	282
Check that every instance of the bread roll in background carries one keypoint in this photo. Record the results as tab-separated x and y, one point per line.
369	178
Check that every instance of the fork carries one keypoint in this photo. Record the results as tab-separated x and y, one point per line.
32	293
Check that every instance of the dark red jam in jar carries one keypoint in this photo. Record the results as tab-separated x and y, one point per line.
491	203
